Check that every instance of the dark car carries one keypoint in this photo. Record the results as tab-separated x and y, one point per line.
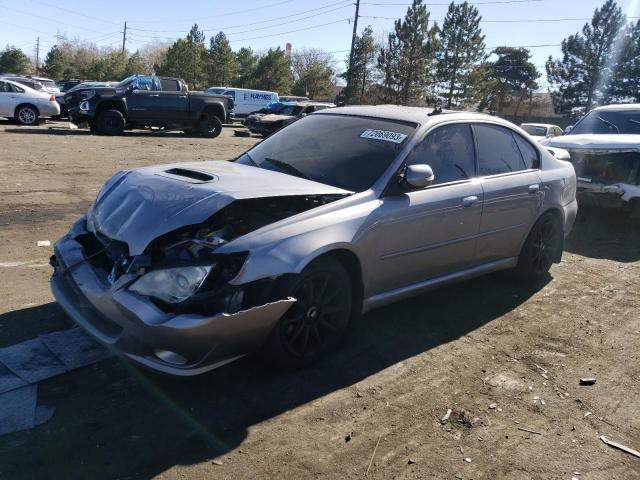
266	124
143	101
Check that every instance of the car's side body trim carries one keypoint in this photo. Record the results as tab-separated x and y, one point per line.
385	298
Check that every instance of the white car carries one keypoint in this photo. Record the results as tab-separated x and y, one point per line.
540	131
605	151
25	104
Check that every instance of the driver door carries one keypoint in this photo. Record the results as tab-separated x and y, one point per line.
425	233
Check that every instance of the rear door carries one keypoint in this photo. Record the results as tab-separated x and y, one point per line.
7	100
172	101
513	194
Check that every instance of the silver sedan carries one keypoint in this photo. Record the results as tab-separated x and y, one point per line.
25	104
186	267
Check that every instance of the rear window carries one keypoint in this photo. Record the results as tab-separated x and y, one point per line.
609	122
535	130
338	150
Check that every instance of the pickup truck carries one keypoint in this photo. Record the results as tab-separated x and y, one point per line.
143	101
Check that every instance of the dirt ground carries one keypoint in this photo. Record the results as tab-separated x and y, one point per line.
505	357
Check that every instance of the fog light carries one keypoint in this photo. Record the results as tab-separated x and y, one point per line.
170	357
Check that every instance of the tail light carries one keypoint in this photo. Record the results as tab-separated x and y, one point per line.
52	98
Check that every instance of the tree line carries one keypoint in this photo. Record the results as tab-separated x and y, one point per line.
419	63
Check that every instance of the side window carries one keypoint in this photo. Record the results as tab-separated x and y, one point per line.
5	87
497	150
17	89
529	153
169	85
231	93
144	83
449	151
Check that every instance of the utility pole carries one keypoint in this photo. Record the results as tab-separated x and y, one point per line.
353	41
37	54
124	37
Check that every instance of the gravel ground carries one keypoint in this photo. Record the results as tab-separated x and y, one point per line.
506	358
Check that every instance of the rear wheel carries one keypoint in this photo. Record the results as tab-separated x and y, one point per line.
542	247
27	115
319	318
110	122
209	126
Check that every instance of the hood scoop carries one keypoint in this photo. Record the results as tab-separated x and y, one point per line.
189	175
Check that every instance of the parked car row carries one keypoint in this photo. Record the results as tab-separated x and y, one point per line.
280	114
25	104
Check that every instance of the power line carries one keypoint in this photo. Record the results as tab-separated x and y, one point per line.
45	18
490	2
219	15
97	19
293	31
344	5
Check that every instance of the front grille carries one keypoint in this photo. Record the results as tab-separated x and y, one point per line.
110	256
607	167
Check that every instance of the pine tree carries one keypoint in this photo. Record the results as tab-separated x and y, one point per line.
186	59
511	74
583	75
247	62
56	64
361	70
407	59
13	60
625	85
222	64
273	72
461	49
136	64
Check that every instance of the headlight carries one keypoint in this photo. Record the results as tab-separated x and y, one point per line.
172	285
87	94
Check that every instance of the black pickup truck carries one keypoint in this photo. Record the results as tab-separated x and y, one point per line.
143	101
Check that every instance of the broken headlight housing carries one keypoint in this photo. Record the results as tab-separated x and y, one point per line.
171	285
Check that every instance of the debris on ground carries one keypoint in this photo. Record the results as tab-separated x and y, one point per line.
411	461
529	431
587	381
242	133
348	437
468	459
43	243
493	406
373	455
446	416
620	446
217	462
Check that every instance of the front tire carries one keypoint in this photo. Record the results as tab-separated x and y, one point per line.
27	115
110	122
542	247
317	321
209	126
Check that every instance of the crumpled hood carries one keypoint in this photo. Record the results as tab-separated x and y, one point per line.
137	206
595	142
273	117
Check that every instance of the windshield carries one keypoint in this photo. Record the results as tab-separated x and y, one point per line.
536	130
338	150
217	91
609	121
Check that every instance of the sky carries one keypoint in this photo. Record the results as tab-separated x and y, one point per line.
260	24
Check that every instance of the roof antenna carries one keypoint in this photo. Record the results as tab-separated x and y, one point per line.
436	111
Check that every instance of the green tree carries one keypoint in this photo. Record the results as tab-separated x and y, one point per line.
625	84
408	57
273	72
13	60
582	77
136	64
461	49
56	63
186	59
361	73
247	62
108	66
313	73
511	74
222	63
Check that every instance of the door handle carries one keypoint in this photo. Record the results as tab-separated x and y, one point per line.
469	201
533	189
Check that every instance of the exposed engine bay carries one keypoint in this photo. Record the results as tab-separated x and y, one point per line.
197	245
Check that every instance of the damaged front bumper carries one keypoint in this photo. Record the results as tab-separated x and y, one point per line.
177	344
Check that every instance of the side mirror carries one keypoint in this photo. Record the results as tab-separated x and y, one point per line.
567	130
419	176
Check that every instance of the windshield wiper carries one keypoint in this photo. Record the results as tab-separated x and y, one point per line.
607	122
286	167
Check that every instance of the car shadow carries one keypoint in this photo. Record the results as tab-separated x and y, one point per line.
114	421
605	233
52	130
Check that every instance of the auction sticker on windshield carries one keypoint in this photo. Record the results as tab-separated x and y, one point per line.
383	135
